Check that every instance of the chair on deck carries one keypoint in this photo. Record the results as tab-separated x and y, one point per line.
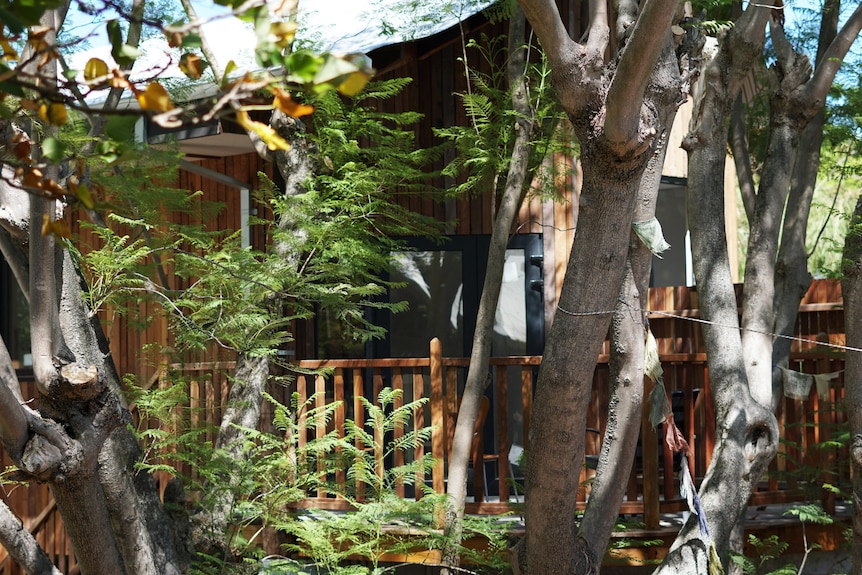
477	448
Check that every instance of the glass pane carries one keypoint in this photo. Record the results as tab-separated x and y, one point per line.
433	289
335	339
15	322
510	322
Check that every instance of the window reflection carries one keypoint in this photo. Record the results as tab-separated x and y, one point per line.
432	284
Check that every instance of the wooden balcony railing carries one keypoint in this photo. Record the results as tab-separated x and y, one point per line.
652	487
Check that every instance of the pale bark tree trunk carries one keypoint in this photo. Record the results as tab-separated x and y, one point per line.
747	433
795	101
80	403
744	396
792	277
852	289
211	527
517	183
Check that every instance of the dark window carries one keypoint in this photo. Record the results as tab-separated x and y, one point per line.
14	318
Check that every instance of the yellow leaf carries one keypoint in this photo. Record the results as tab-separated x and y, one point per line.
54	114
9	53
94	69
285	102
269	136
155	98
283	32
57	227
354	83
82	192
192	66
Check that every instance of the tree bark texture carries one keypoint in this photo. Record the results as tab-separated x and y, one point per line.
785	124
211	524
747	433
792	277
591	286
615	148
517	182
22	546
628	332
852	289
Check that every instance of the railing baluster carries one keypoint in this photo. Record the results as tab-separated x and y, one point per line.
438	479
501	396
338	395
320	428
527	400
301	424
418	423
649	448
398	432
379	440
359	421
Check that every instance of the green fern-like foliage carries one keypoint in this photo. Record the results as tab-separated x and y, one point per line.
369	447
484	147
765	550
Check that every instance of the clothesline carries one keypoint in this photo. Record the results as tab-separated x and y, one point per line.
715	324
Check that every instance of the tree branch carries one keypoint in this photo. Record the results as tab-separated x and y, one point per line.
742	157
544	17
17	260
206	47
626	94
22	546
818	87
14	431
598	34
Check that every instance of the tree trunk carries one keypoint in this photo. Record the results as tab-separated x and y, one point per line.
593	280
210	526
616	116
747	432
792	278
628	332
785	124
517	182
852	288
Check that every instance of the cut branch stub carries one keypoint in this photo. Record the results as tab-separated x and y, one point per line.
83	381
50	454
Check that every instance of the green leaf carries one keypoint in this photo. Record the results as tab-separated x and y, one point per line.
192	41
53	149
120	128
120	51
303	66
333	68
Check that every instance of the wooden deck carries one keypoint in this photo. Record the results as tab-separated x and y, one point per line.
652	498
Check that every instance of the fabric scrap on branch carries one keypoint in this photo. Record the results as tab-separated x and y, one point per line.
822	381
796	385
651	235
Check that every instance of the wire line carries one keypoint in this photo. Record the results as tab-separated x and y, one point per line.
712	323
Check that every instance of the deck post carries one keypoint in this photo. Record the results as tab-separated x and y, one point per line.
438	473
649	448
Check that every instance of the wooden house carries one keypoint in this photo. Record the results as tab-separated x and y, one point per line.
426	350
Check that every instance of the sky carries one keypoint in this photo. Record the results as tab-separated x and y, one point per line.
346	26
